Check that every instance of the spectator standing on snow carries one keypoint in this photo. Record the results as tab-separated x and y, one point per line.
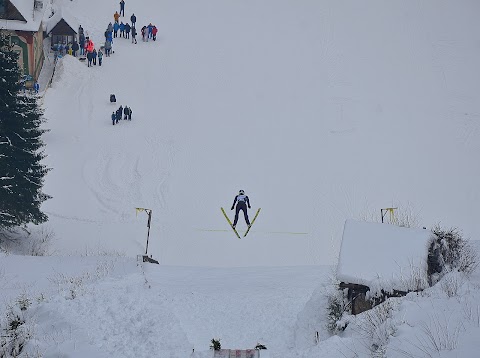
125	113
113	118
100	57
119	113
116	16
116	27
108	48
89	58
133	19
154	33
90	45
127	30
145	34
94	53
129	113
134	33
36	87
150	28
81	43
110	27
122	7
75	48
122	29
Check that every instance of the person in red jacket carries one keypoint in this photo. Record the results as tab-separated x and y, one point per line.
90	46
154	33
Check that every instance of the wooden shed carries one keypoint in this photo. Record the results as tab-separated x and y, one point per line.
378	261
62	28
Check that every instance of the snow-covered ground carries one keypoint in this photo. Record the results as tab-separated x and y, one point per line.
319	110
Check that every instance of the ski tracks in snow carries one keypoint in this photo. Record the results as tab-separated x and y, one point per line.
119	179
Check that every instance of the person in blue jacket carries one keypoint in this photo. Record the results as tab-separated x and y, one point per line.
122	29
242	202
116	27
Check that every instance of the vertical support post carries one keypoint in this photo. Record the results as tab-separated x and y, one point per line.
149	212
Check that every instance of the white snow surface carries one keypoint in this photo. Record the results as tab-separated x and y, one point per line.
382	255
319	110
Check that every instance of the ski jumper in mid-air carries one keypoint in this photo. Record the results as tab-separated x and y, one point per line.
242	202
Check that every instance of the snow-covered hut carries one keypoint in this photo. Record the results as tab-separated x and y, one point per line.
22	19
62	27
381	260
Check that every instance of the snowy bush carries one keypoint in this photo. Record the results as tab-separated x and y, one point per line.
215	344
449	251
376	326
337	311
20	241
40	241
15	332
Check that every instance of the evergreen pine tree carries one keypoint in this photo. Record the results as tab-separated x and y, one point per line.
21	171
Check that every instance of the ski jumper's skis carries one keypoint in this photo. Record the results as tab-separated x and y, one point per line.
258	211
231	225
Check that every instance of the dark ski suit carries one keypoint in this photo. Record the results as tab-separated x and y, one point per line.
242	202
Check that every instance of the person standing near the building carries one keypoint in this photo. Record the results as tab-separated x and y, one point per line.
75	48
36	87
122	8
242	202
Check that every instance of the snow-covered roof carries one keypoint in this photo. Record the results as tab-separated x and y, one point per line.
382	255
27	9
64	14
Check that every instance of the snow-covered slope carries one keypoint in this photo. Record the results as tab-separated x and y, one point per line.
320	111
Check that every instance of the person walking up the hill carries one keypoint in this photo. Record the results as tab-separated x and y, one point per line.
133	19
242	202
116	16
122	8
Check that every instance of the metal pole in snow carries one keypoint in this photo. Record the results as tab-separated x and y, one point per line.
149	212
